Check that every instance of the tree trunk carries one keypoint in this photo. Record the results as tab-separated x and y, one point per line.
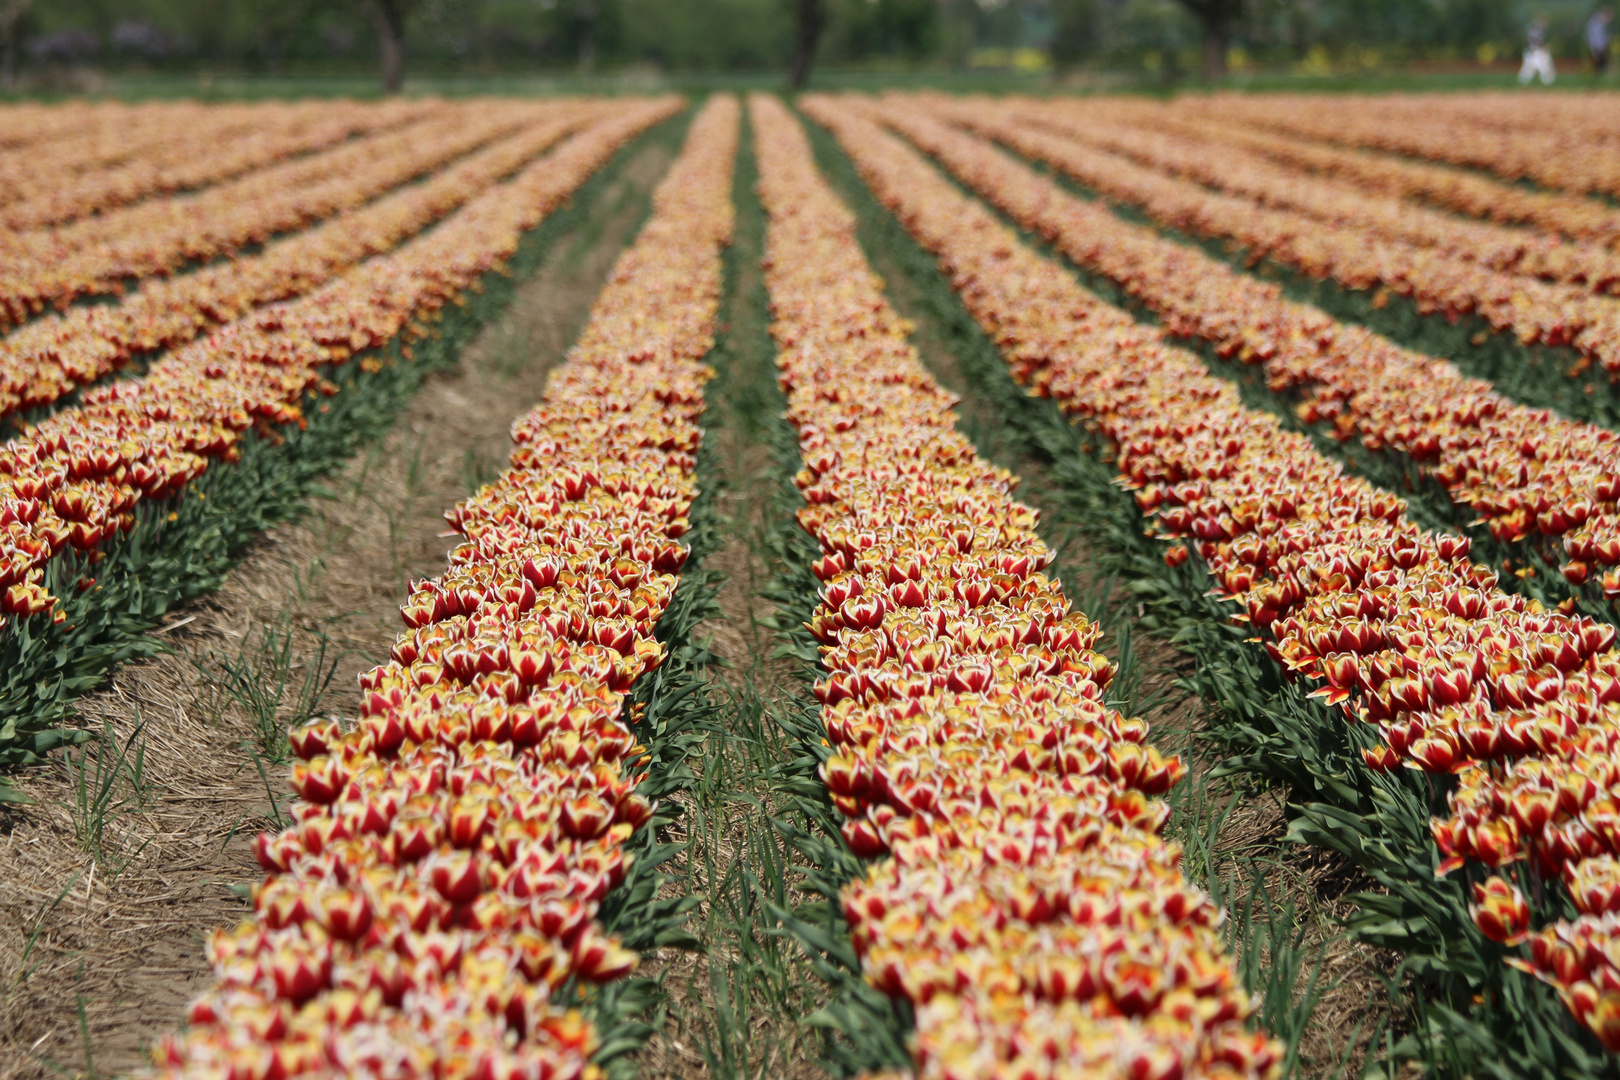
12	14
810	17
956	21
8	58
587	36
1074	37
1217	34
390	18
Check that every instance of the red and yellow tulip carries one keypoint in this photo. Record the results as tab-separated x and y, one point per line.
73	481
451	848
1392	622
1020	897
56	353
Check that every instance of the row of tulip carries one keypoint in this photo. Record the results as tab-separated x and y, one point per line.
1575	217
1020	897
75	479
1528	473
50	356
99	254
1346	208
106	128
1535	311
79	138
1562	157
80	158
86	140
452	848
1581	115
1394	622
191	150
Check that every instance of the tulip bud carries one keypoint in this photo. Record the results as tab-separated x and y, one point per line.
345	913
320	779
563	919
1433	753
300	973
602	959
281	903
314	739
585	816
1381	758
275	851
1533	809
415	836
863	838
386	732
1500	912
1594	885
1134	985
469	819
1496	842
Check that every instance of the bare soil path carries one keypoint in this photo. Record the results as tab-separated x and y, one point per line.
736	1010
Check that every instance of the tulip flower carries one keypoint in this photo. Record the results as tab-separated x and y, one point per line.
1360	382
452	850
1499	910
1004	806
1458	675
84	469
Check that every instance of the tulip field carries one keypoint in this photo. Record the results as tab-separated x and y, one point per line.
1027	587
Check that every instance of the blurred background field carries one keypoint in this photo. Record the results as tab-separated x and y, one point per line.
246	48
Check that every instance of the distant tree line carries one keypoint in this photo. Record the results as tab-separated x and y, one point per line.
1368	32
273	36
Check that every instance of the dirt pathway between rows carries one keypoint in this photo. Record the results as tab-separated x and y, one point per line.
737	1009
100	956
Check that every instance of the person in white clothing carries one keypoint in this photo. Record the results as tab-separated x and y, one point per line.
1537	57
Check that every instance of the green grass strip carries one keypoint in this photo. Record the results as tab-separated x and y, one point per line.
865	1029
